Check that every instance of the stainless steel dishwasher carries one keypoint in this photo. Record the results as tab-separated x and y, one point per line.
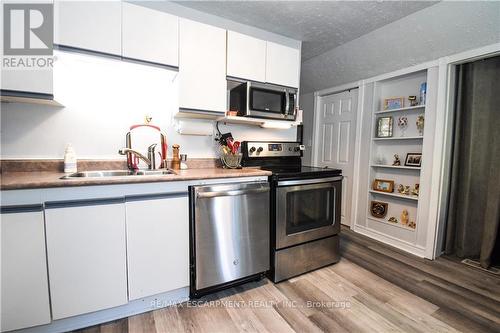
229	235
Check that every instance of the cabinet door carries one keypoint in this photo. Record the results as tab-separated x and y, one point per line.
282	65
157	245
27	80
25	290
150	35
90	25
86	256
246	57
202	67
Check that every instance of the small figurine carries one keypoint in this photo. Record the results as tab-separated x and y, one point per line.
416	190
397	161
407	190
392	219
420	124
413	100
401	188
405	217
412	224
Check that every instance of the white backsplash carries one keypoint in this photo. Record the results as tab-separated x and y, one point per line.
102	99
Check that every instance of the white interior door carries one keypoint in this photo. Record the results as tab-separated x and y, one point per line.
335	133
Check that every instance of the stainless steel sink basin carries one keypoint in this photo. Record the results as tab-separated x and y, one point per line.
117	173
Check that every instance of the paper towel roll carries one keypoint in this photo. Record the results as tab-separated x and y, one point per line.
191	127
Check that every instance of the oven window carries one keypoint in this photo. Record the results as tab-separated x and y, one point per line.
267	100
309	209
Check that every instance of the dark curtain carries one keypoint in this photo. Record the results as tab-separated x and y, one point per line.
474	208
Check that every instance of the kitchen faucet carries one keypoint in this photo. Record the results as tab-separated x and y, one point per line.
150	160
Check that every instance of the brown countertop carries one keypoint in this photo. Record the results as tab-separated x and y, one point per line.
45	179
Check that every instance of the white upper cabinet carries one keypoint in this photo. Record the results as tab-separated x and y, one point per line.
86	255
25	289
38	81
90	25
246	57
282	65
150	35
157	245
202	67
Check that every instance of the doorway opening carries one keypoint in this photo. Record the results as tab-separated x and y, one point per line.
472	230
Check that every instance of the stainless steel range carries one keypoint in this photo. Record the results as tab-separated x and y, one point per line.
305	208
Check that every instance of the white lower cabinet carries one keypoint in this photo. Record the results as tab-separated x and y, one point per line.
157	244
25	290
86	254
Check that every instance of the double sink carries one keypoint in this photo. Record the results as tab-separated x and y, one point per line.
118	173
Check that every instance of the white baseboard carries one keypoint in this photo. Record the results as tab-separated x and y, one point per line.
132	308
407	247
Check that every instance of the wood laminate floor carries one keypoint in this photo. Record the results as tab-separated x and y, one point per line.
373	288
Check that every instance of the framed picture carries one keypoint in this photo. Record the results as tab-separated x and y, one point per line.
383	185
394	103
413	160
384	127
378	209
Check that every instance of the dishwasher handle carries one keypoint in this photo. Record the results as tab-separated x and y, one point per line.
214	194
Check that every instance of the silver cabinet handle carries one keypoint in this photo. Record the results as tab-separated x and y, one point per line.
231	192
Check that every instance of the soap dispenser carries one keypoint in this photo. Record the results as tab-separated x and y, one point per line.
69	159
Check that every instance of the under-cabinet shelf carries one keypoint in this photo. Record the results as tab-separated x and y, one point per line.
399	138
398	225
395	167
265	123
395	195
408	108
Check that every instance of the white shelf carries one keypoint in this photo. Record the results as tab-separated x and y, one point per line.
390	223
394	195
399	138
266	123
395	167
408	108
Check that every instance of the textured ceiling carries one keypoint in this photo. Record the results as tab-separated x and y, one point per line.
321	25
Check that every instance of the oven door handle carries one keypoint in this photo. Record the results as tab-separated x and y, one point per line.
309	181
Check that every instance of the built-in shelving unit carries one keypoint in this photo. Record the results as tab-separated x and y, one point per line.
408	108
395	167
399	138
397	225
395	195
378	158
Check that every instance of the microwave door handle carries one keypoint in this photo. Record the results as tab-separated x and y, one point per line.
287	98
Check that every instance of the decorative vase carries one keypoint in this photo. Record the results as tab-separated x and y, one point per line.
403	124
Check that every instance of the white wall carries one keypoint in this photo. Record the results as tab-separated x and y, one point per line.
103	98
307	105
443	29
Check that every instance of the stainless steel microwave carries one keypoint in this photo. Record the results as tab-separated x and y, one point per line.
263	100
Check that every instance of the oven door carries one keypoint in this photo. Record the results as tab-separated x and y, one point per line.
307	209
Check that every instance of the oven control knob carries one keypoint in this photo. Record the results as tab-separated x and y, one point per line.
252	150
296	149
260	149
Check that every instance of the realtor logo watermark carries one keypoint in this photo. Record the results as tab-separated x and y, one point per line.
28	34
